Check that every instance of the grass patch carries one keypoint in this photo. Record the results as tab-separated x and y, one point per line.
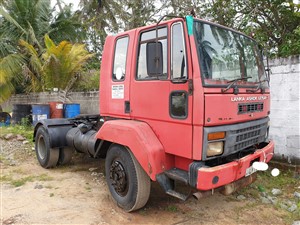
5	179
88	188
24	130
3	160
44	177
283	180
21	181
19	171
49	187
172	208
265	182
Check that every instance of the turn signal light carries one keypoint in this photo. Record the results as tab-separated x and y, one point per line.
216	136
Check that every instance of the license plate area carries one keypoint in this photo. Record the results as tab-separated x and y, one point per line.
250	171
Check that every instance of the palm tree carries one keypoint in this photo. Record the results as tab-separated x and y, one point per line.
99	18
26	19
30	20
58	67
10	67
66	25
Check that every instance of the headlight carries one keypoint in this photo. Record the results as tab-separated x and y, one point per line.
215	148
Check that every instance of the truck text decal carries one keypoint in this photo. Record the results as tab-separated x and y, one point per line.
249	98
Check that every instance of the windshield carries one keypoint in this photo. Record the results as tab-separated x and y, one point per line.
225	55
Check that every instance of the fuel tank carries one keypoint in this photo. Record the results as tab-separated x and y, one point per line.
84	142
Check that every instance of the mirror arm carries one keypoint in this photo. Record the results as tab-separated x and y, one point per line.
268	70
156	48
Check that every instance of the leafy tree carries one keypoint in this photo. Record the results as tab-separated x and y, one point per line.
99	19
67	26
137	13
112	16
274	23
183	7
9	67
30	20
22	19
58	67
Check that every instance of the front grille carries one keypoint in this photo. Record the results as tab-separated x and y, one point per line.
245	144
250	107
239	137
247	137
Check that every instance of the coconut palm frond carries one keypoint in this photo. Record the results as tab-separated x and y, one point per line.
6	91
11	19
10	67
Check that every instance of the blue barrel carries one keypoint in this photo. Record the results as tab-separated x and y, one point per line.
71	110
40	112
4	119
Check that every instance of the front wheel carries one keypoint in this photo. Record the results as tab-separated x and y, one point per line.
47	157
128	183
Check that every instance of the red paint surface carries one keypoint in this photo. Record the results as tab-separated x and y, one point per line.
233	171
157	140
140	139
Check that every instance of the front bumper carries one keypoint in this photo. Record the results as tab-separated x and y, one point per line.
213	177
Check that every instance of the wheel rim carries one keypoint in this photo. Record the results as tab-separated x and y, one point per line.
41	148
118	178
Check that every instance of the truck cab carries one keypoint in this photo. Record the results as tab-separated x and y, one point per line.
183	100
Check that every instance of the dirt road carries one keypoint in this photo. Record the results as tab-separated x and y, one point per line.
77	194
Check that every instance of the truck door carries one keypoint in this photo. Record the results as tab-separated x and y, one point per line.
163	99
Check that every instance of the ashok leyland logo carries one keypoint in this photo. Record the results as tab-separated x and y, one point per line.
249	98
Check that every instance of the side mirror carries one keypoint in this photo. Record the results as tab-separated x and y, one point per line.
154	54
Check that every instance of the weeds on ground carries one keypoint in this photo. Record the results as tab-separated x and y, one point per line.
265	182
286	182
24	129
21	181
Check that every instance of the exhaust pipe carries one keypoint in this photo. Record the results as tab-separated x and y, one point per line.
235	186
201	194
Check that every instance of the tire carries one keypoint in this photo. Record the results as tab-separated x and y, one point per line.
47	157
128	183
65	155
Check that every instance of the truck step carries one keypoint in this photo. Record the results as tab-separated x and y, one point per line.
167	182
178	174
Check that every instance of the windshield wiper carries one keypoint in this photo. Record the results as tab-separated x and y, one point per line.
233	82
259	87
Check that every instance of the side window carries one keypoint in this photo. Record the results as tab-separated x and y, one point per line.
178	60
178	104
147	37
120	59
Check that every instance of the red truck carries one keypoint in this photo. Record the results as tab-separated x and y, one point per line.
183	100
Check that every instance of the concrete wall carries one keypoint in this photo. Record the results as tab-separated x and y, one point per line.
89	101
285	108
284	116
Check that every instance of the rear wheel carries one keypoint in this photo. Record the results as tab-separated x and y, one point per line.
65	155
47	157
128	183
